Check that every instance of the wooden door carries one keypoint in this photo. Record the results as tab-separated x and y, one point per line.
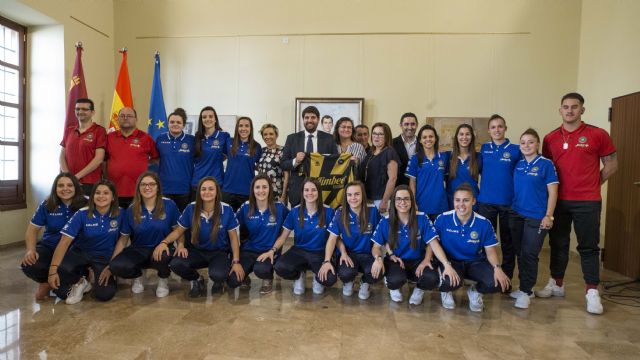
622	232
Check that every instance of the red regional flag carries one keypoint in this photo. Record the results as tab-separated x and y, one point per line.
122	94
77	89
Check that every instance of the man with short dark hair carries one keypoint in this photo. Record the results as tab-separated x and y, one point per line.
577	149
300	144
83	147
405	145
362	136
129	151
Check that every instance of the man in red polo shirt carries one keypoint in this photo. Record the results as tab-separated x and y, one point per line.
129	151
576	149
83	146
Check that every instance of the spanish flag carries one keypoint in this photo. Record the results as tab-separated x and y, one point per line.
122	94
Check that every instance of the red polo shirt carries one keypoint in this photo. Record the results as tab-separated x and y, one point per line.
80	149
128	157
578	162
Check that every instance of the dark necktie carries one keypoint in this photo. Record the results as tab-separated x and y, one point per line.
309	148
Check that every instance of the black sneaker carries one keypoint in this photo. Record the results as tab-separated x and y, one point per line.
246	283
217	287
197	288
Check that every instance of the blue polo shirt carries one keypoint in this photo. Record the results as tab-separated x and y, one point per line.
465	242
53	222
241	168
96	235
228	223
210	161
357	242
263	227
430	178
176	162
498	162
310	236
530	182
403	250
150	231
463	176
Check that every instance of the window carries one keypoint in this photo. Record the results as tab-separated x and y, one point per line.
12	115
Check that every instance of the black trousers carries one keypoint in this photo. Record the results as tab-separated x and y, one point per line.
296	260
130	262
234	200
397	276
502	213
249	263
39	271
181	200
527	243
585	216
479	271
217	261
75	265
361	264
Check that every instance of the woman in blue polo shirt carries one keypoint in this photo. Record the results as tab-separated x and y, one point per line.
92	233
536	191
210	148
465	164
407	232
499	158
176	149
53	213
470	244
148	220
243	152
261	219
309	222
427	173
351	229
213	225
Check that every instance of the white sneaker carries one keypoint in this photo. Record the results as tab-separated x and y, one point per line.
298	284
523	300
396	295
516	293
475	299
137	287
347	288
594	305
416	296
317	287
448	302
551	289
77	290
363	293
163	288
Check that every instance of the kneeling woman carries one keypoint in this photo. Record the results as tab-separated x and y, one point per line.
352	230
309	222
52	214
470	243
92	233
148	220
536	191
213	233
407	232
261	218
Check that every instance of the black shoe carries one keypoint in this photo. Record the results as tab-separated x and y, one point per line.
197	288
246	283
217	287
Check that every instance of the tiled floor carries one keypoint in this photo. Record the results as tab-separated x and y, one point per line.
247	325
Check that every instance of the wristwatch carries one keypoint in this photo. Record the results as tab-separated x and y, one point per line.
497	266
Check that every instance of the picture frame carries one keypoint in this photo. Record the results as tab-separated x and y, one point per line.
352	108
446	128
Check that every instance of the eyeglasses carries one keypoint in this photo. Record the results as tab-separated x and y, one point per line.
148	185
127	116
377	134
402	199
82	109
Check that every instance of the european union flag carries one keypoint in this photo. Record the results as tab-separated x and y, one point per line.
157	123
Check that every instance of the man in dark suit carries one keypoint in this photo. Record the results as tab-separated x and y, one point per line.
405	145
300	144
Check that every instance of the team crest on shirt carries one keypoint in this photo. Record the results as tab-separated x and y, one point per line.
216	143
582	142
89	137
136	141
113	223
534	169
369	228
440	163
474	235
164	216
184	147
506	155
272	219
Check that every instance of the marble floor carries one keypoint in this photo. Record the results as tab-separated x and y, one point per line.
247	325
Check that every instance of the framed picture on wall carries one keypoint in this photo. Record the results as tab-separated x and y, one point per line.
352	108
446	128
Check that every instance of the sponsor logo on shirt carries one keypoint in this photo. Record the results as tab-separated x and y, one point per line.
184	148
452	230
582	142
533	171
88	138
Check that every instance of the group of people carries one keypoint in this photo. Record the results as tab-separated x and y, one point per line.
417	214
